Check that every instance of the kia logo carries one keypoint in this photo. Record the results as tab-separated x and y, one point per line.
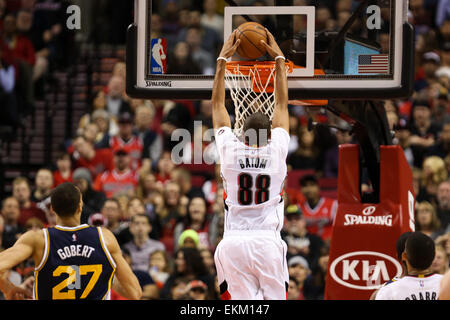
363	270
369	210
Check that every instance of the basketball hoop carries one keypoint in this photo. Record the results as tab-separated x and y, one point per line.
252	86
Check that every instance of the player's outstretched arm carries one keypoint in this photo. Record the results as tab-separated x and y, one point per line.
128	285
280	114
219	113
20	251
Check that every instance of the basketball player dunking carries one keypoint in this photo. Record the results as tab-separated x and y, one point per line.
72	261
251	258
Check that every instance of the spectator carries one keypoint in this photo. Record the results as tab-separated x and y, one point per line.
122	180
112	212
402	135
423	132
28	208
299	270
197	220
208	260
106	123
107	128
151	140
211	187
421	16
200	56
133	206
147	188
307	154
188	239
426	220
127	141
431	63
315	284
442	146
42	51
443	204
178	291
92	200
293	289
8	112
19	51
197	290
210	38
64	172
115	102
44	184
160	268
297	238
189	265
330	169
433	173
10	218
164	167
141	246
440	263
180	61
183	178
211	19
86	156
319	211
216	226
91	133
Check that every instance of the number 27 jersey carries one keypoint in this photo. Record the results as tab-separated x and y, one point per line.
253	179
76	265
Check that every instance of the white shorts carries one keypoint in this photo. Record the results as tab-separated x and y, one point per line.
251	265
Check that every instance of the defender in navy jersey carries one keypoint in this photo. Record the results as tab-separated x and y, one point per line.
72	261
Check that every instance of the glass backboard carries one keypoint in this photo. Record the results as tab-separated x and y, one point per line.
350	50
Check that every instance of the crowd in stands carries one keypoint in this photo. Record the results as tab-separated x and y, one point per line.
167	217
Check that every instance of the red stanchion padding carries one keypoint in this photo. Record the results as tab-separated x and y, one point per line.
362	250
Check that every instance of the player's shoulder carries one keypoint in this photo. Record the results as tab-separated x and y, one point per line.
224	131
280	137
394	279
108	238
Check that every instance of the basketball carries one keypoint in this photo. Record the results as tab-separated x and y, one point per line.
251	34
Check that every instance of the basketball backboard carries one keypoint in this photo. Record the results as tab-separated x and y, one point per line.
364	48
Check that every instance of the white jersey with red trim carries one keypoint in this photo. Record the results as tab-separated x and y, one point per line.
253	180
422	287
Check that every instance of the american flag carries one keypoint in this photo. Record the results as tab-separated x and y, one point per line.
373	63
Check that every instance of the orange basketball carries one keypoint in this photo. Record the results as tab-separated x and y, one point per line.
251	34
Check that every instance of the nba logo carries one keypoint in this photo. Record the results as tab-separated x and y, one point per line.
158	58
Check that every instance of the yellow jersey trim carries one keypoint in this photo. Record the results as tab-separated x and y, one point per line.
110	259
43	262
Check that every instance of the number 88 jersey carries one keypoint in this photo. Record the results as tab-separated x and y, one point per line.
76	265
253	180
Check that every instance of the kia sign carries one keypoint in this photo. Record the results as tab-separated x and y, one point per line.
363	270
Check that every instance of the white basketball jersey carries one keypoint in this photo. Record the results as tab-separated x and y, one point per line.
412	288
253	180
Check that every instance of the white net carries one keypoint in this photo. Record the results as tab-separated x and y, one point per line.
250	92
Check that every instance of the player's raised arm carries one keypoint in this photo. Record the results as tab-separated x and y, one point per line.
280	114
219	113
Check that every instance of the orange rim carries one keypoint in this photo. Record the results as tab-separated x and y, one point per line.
264	67
264	71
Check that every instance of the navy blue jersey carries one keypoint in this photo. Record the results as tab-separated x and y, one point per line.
76	265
